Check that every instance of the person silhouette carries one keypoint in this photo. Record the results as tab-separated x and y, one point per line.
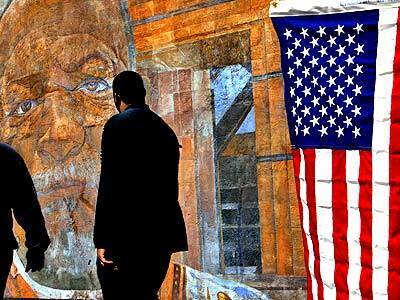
138	222
19	198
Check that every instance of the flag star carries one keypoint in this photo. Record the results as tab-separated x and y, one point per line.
307	91
339	91
288	34
315	121
332	121
350	60
358	69
289	53
298	62
356	111
349	80
322	90
315	81
323	51
340	132
332	41
304	32
331	101
314	61
332	61
298	101
323	110
296	130
356	132
341	50
294	113
322	71
340	70
306	52
323	131
292	92
359	49
357	90
321	31
315	101
306	72
348	101
348	122
299	82
297	43
291	72
350	39
314	42
306	130
299	121
306	111
332	81
339	30
339	110
359	28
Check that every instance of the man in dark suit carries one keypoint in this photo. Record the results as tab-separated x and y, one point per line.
139	222
18	196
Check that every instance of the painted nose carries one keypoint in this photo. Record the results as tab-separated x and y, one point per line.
63	136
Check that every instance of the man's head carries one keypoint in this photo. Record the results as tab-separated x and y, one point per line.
57	61
128	89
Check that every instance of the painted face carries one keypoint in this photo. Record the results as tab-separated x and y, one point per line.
56	97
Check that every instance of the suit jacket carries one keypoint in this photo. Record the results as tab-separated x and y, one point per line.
18	195
138	192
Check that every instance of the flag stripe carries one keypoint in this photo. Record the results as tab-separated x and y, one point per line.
303	210
394	177
365	180
309	159
323	195
354	224
380	150
340	219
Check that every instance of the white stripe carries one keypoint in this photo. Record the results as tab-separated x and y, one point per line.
306	224
323	197
380	151
284	8
354	223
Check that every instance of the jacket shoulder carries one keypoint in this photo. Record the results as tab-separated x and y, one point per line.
9	152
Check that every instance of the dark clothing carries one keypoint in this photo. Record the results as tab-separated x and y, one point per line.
5	265
18	195
137	203
140	276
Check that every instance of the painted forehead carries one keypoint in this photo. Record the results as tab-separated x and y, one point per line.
72	53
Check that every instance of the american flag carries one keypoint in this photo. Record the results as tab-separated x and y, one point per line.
341	69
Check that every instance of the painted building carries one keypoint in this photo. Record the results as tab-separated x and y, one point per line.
212	69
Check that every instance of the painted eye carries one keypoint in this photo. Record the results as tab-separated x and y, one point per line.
94	86
24	107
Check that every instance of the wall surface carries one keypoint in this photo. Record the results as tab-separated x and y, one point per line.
212	70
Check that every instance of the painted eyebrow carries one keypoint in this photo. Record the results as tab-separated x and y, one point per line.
73	66
26	80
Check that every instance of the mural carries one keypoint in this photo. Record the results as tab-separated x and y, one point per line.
57	61
205	66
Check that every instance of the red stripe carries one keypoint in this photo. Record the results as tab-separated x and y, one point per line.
296	167
340	223
309	157
365	180
394	178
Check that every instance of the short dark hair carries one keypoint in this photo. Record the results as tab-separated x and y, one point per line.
129	87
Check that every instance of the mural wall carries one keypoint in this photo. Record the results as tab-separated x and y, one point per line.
212	72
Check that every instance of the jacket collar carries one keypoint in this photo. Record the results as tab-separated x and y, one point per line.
135	106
